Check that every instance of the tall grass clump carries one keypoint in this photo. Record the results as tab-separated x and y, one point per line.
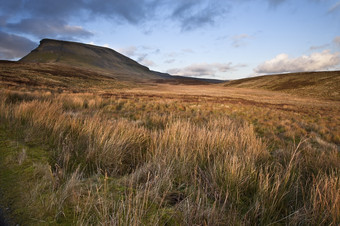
117	146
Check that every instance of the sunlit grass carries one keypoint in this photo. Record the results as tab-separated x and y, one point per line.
132	158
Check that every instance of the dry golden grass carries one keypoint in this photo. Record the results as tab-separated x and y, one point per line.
180	155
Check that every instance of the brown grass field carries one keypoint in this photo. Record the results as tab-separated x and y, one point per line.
96	151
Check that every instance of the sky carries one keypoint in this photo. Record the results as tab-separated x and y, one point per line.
221	39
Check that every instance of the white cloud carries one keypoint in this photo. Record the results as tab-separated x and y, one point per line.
96	44
203	69
315	62
147	62
128	51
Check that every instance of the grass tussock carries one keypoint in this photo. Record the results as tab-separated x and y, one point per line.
127	160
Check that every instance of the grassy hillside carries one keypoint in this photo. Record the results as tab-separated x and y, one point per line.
55	78
314	84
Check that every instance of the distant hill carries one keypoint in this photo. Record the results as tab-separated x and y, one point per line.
92	57
324	84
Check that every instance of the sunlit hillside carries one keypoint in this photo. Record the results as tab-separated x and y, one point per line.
314	84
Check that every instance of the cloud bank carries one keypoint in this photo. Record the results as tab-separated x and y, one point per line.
203	69
48	28
14	46
315	62
39	19
190	14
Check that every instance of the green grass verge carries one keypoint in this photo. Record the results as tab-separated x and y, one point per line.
26	183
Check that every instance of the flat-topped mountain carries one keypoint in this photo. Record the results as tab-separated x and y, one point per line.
100	59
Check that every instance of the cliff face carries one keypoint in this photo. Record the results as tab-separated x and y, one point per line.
89	57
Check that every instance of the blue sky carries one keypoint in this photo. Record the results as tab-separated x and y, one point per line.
221	39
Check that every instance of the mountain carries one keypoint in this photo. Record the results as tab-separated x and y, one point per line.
324	84
92	57
102	60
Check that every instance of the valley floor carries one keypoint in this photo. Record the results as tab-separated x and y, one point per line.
162	154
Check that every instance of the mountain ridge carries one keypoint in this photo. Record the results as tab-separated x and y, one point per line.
89	56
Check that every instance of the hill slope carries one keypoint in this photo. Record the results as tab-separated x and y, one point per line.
317	84
90	57
54	78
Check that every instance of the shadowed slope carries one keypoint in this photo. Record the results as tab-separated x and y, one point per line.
316	84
